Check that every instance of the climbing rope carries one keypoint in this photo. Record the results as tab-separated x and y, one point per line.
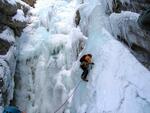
68	97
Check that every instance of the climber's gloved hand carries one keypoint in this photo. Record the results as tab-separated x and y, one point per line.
91	65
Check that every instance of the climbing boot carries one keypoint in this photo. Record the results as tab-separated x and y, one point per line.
84	79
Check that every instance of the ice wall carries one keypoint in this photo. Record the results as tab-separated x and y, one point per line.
118	83
48	48
7	67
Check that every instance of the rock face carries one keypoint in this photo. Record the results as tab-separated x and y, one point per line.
77	18
125	5
12	22
7	8
30	2
7	12
135	5
4	46
126	29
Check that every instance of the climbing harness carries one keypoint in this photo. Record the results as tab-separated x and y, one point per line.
68	97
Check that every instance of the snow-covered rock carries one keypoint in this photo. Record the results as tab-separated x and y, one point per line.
19	16
13	15
7	66
12	2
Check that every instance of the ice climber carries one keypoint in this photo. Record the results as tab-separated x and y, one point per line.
86	65
144	20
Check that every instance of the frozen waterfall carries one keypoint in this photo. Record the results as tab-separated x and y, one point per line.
48	63
48	48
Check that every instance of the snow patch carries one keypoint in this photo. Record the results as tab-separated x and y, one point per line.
7	35
19	16
13	2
